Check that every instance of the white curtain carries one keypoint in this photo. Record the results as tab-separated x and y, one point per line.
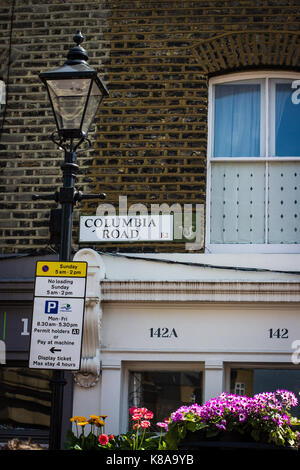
237	120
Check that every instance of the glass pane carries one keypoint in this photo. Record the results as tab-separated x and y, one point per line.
241	376
237	120
237	203
284	202
94	101
69	98
269	380
287	125
164	392
25	399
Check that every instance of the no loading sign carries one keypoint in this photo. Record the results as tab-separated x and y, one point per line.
57	321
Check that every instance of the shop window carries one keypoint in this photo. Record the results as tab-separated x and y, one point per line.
163	392
258	380
254	163
25	402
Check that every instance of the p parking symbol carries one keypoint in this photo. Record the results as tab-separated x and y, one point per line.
51	307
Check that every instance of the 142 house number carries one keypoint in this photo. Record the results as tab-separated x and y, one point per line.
278	333
163	333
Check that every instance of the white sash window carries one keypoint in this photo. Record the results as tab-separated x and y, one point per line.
254	163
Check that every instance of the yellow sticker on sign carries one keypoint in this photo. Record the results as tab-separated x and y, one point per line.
61	268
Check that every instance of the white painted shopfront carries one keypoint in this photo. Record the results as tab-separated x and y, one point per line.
164	330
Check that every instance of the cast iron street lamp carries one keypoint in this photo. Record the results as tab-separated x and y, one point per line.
75	92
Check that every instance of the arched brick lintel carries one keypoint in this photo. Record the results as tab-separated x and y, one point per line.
234	51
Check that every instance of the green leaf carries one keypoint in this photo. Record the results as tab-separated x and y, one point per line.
195	426
172	437
71	440
191	426
200	426
162	445
77	447
182	431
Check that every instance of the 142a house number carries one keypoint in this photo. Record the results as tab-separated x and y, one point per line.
163	333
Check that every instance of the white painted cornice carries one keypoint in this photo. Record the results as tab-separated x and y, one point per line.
193	291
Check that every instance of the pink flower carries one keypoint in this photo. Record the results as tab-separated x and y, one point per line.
162	425
145	424
103	439
132	409
222	425
148	415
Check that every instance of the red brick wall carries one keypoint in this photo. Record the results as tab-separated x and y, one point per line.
150	137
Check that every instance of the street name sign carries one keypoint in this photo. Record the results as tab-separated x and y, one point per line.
126	228
57	320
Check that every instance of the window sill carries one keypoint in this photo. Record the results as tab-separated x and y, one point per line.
253	248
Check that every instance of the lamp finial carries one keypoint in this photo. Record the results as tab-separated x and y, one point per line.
77	54
78	38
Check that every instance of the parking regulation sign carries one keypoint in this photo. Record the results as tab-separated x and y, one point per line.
57	321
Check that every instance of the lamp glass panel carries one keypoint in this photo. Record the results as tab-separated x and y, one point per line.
69	98
93	104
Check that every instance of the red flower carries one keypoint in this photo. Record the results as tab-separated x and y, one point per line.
103	439
111	437
136	426
143	410
141	413
145	424
136	416
132	409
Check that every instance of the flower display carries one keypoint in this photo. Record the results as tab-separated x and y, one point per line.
138	438
264	417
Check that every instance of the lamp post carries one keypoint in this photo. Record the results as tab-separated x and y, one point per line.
75	92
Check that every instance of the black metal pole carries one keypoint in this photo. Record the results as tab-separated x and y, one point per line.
66	198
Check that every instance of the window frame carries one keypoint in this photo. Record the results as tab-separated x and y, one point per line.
157	366
267	132
40	436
